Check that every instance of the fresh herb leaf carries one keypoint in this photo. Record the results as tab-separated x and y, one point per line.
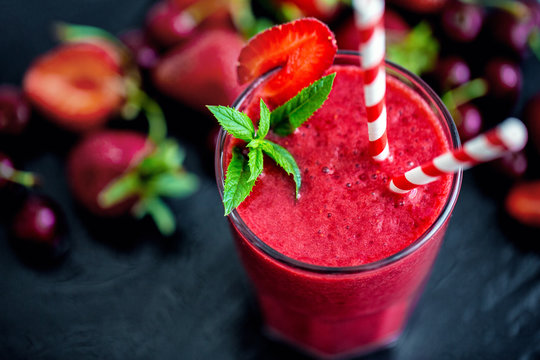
237	181
289	116
241	172
284	159
119	190
234	122
264	121
255	163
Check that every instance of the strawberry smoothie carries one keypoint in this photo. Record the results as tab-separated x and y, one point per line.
338	270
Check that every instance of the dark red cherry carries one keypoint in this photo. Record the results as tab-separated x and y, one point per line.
531	115
470	121
169	24
14	110
504	79
37	221
6	169
513	165
39	231
512	30
142	49
462	22
451	72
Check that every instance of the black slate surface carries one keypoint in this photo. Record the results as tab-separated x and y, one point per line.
124	293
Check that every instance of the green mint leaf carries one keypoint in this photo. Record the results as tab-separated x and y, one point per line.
264	121
417	52
234	122
119	189
255	163
284	159
237	184
286	118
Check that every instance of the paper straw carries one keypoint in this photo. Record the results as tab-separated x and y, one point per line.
369	15
511	135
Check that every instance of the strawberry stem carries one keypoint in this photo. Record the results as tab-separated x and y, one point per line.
157	126
138	100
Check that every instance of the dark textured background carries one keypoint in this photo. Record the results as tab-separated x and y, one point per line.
124	293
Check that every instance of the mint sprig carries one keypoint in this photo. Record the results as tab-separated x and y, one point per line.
291	115
237	181
243	172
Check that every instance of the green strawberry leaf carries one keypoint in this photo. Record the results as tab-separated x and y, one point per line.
234	122
284	159
74	33
255	163
289	116
160	213
168	156
264	121
237	183
120	189
177	185
417	52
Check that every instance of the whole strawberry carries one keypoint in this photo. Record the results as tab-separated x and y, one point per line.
113	172
77	86
203	70
101	158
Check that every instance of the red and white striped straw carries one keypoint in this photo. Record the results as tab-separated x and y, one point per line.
511	135
369	16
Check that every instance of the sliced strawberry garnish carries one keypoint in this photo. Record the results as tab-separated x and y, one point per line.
523	203
77	85
304	49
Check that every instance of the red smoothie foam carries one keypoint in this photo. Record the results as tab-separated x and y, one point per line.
345	217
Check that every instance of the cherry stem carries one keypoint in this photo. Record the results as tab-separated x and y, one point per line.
24	178
534	42
465	93
516	8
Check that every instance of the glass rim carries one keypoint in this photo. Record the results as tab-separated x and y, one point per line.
240	225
